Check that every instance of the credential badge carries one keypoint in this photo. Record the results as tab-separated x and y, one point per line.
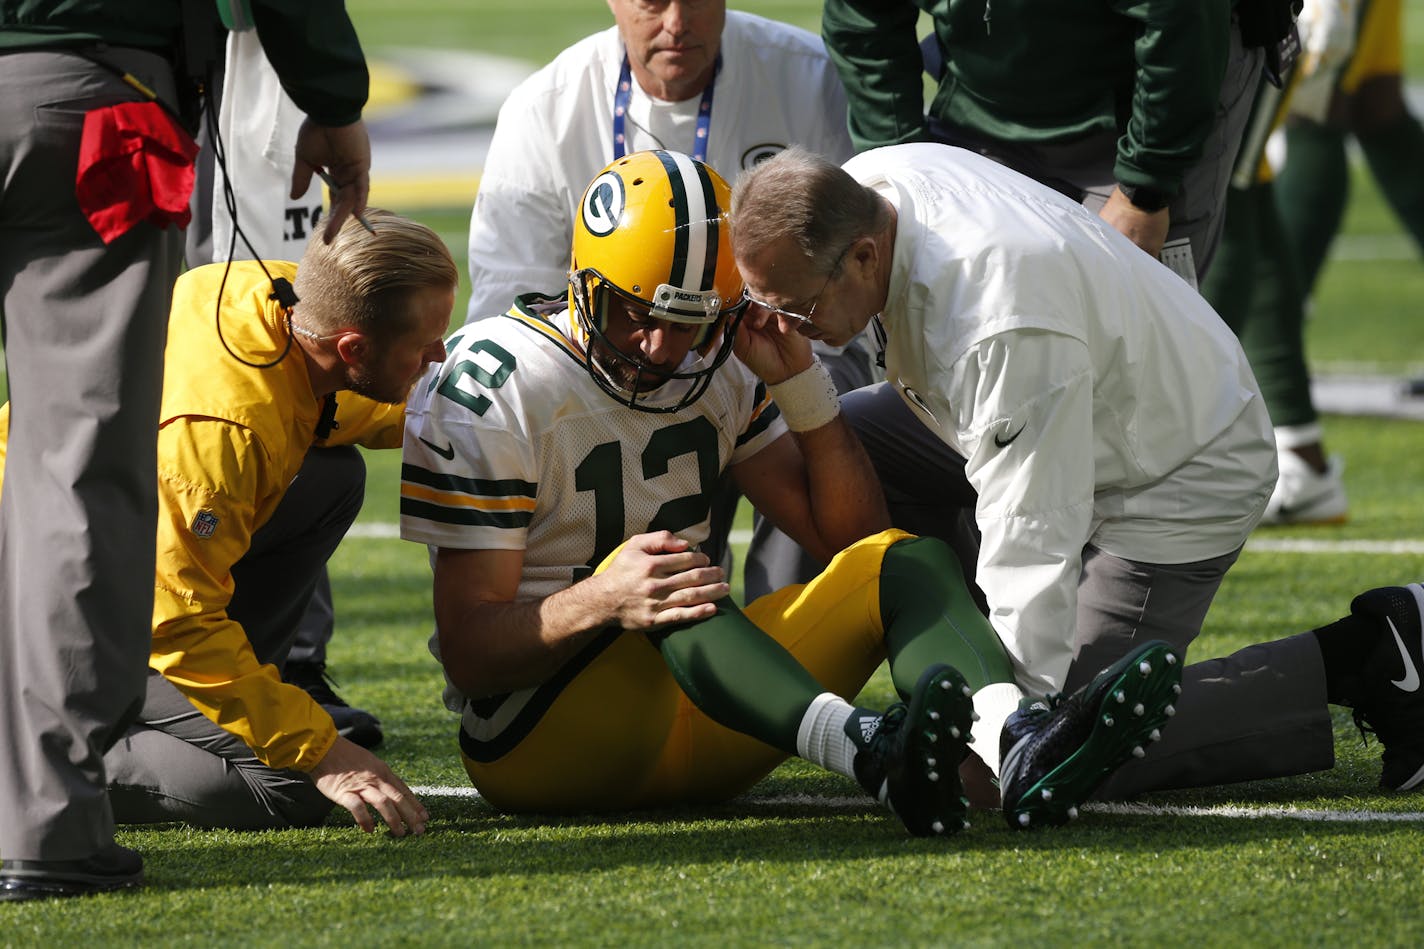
603	204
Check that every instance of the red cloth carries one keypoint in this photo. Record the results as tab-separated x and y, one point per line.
135	164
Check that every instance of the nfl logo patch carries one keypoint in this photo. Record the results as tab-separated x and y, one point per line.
204	523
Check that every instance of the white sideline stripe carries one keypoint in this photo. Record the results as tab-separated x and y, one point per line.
1127	810
385	531
1260	813
374	531
1283	546
435	790
809	800
1366	247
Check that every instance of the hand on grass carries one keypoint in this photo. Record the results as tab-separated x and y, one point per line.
351	776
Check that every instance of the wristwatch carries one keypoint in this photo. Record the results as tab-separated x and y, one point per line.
1145	197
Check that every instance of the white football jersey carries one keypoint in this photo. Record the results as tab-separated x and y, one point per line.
510	444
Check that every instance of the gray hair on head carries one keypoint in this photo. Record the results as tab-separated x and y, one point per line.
798	194
365	279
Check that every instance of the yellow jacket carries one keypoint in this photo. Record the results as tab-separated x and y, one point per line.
231	438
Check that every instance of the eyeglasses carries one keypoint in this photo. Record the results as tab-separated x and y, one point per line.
801	321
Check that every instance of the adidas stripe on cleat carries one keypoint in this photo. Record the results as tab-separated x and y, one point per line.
911	764
1057	751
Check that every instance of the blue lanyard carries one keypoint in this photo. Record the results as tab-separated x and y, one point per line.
625	92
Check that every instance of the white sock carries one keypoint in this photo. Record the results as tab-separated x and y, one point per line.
822	740
994	704
1298	436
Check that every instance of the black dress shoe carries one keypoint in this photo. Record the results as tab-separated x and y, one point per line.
113	868
353	724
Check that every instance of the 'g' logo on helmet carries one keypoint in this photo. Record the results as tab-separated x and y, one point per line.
603	204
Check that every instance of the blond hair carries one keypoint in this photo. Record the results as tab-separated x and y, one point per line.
800	195
364	281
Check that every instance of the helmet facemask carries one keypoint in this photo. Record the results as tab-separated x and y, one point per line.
651	243
625	375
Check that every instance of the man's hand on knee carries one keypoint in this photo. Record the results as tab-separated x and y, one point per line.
351	776
656	579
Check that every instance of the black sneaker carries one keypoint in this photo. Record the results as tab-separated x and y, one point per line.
1056	751
353	724
909	757
113	868
1390	703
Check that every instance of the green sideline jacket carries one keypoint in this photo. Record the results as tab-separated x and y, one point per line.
311	43
1041	71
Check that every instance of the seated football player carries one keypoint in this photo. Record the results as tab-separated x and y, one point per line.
560	464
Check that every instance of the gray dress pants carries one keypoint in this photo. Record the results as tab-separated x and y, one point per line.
1258	713
176	765
84	325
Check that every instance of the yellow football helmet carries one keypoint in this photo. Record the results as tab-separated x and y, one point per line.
652	230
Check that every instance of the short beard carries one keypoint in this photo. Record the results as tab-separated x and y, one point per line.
622	372
362	381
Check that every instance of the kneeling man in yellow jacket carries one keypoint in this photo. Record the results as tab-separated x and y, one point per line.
258	482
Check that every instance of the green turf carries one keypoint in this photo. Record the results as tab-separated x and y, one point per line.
826	870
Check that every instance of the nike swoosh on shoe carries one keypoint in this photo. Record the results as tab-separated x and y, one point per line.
1410	682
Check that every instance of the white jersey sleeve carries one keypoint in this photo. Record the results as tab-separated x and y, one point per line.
511	445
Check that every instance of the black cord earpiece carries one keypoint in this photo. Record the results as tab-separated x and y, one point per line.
283	293
282	290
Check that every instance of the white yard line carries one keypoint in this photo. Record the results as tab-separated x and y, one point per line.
374	530
1282	545
1263	812
1233	811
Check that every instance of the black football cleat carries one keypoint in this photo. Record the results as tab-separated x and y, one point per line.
113	868
1057	751
1390	701
911	763
353	724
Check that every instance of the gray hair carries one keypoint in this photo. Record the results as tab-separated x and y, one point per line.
364	280
799	194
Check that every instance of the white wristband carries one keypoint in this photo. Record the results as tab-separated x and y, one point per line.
808	399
